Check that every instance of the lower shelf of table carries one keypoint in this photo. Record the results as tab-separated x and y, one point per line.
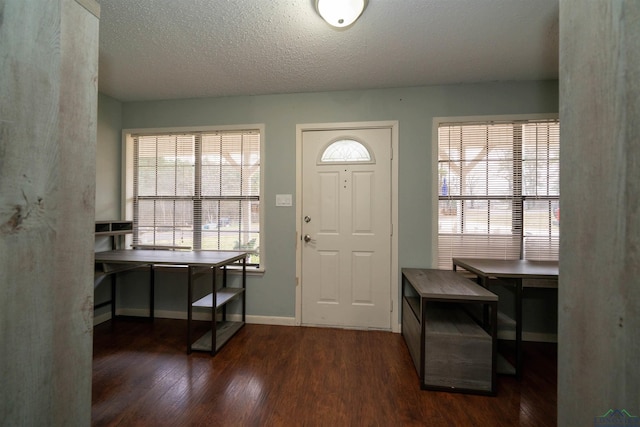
504	367
224	331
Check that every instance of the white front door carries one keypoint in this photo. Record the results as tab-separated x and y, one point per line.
346	228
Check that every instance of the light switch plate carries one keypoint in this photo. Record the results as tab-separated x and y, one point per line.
284	200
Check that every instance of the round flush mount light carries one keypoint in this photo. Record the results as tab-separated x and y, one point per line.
340	13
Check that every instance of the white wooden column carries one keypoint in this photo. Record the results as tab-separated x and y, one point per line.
599	288
48	115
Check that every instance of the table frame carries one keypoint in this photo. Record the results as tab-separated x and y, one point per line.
511	273
116	261
442	286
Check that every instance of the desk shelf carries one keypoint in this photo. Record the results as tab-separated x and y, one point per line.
223	296
504	366
110	228
506	325
216	301
224	331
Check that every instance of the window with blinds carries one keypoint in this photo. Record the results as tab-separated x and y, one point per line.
499	190
198	189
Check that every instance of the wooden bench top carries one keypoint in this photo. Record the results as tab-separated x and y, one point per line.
446	285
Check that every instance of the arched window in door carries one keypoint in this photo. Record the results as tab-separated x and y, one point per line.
346	151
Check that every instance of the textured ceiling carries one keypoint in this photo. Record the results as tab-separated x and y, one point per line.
168	49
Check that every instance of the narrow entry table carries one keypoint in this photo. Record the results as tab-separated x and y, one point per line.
449	350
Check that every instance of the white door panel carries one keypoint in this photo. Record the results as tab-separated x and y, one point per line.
346	264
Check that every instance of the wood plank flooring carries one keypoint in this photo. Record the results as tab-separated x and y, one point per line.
295	376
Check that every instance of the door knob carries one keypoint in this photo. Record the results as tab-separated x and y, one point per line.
307	238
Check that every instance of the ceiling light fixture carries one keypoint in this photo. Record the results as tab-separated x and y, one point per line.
340	13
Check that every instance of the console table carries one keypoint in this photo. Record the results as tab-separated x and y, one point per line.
449	348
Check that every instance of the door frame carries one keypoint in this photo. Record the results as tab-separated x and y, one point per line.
393	126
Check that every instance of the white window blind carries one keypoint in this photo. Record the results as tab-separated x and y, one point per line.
498	190
198	190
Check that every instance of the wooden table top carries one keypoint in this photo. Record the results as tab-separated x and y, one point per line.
516	269
446	284
194	258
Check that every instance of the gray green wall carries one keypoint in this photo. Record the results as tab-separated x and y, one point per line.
273	294
107	167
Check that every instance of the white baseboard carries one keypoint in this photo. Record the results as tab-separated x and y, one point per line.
272	320
290	321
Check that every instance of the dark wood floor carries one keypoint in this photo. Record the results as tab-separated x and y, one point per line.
295	376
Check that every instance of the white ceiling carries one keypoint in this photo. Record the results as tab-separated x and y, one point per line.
168	49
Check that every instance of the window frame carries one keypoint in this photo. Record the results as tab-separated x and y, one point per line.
435	188
128	172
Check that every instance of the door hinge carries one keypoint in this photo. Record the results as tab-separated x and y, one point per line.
391	306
